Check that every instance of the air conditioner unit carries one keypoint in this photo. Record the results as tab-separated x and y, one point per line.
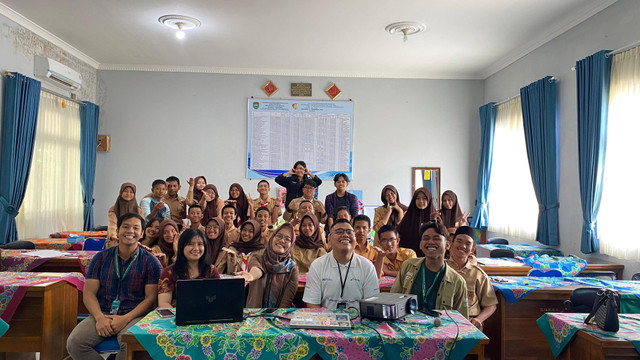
57	74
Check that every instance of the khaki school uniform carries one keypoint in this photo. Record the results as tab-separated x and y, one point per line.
402	255
480	293
304	257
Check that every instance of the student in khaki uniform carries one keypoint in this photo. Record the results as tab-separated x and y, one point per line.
362	228
394	256
231	232
195	217
309	245
263	217
264	200
437	285
481	297
308	192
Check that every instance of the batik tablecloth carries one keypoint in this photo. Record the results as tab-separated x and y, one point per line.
55	244
629	292
559	328
86	234
569	265
13	286
18	260
515	288
257	337
524	250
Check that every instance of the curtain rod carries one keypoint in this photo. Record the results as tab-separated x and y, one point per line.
62	96
553	78
616	52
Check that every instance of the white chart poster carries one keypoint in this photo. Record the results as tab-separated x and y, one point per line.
281	132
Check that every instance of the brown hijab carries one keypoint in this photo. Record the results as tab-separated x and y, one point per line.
252	245
277	267
123	206
393	218
215	244
409	228
211	209
315	240
166	247
197	194
242	204
450	217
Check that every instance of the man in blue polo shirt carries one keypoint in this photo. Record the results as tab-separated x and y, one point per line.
121	286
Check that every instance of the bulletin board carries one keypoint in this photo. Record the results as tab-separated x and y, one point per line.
281	132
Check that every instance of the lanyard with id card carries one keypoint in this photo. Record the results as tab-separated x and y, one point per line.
115	305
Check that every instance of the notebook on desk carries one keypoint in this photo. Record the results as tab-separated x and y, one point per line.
204	301
320	320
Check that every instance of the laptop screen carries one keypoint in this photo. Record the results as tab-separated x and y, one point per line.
203	301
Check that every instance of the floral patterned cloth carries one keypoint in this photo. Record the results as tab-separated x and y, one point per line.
13	286
257	337
17	260
86	234
559	328
524	250
569	265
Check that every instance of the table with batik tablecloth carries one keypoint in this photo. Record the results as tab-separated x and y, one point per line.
55	244
521	250
568	265
68	261
411	337
559	328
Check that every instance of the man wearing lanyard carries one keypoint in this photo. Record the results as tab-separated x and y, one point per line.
121	286
437	285
340	278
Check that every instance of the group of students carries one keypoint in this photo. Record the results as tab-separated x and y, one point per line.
342	265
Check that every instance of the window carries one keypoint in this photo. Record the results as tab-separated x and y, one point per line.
620	198
513	208
53	198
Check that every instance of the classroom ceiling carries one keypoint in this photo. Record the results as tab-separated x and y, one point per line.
464	39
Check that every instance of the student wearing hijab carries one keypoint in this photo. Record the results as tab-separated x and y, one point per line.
196	190
169	234
392	212
451	214
243	204
420	211
211	203
214	236
151	233
238	252
309	244
125	203
273	275
192	262
294	179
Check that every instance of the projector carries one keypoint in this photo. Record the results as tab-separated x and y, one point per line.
388	306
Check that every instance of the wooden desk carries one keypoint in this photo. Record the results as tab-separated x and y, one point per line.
514	328
588	346
43	321
135	349
524	270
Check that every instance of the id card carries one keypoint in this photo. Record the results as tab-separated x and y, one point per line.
115	305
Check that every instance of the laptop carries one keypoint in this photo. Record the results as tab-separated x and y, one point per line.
204	301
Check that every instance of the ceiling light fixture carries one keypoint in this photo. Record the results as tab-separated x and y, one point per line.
405	28
180	22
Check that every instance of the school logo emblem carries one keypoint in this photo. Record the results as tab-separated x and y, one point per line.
256	105
210	299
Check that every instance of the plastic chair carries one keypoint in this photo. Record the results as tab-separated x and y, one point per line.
497	240
91	244
545	273
636	277
581	300
502	253
108	347
602	275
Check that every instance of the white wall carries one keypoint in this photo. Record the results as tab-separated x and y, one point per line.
188	124
612	28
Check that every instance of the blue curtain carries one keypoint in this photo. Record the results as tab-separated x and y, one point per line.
593	74
540	132
487	128
89	114
21	102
